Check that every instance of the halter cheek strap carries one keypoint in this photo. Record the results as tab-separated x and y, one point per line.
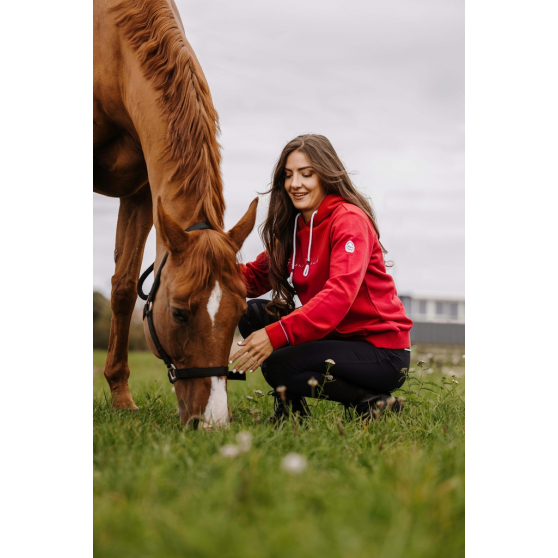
173	372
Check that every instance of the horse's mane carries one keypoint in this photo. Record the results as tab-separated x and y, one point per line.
167	61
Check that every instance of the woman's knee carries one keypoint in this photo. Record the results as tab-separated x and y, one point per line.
252	319
278	370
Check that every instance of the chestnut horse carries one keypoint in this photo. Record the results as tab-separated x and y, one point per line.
155	148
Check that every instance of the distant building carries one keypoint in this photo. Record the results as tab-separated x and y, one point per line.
436	320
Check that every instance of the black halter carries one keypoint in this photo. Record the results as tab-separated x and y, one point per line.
173	372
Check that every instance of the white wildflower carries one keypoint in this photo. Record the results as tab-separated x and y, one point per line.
312	382
249	398
244	440
329	377
294	463
280	389
229	451
330	361
258	392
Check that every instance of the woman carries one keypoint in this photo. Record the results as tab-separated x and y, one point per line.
322	244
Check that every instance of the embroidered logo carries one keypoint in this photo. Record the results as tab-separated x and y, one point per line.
350	247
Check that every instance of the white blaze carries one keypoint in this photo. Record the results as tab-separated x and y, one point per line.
217	410
214	301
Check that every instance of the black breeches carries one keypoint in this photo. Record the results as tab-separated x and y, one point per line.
359	369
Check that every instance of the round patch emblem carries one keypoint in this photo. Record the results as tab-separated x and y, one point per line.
349	247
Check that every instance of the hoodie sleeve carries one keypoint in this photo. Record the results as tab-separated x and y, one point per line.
255	275
351	243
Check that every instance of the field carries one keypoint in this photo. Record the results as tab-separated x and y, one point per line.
393	488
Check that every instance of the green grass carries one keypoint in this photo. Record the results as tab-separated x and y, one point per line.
394	488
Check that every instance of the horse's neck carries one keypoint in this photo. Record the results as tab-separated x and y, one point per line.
168	101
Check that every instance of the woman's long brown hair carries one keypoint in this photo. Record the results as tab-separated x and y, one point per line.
277	230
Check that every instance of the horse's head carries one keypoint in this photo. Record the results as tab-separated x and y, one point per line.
198	304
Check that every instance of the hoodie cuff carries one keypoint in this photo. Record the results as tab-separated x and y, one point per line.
277	335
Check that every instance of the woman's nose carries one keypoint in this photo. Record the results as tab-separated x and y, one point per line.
296	181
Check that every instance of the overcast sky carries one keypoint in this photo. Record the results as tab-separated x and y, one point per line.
383	80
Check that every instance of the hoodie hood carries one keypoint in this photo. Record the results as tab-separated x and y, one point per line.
329	204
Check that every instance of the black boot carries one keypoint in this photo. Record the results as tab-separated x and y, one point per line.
295	405
375	405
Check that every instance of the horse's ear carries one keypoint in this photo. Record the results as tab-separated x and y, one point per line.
170	232
243	228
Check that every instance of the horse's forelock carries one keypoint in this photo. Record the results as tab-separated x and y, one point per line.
210	257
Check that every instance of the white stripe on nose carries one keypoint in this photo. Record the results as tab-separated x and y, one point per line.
217	410
214	301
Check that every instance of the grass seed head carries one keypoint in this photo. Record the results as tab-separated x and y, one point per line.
281	391
340	426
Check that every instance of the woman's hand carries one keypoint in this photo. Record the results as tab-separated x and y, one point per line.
255	349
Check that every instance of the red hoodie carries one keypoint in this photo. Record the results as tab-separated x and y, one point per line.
346	293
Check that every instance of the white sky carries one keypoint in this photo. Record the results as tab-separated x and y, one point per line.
383	80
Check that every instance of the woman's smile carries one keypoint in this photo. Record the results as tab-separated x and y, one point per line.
303	184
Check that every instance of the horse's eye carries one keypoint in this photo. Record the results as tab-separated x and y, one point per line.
180	316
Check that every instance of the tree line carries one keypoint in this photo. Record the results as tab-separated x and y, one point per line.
102	315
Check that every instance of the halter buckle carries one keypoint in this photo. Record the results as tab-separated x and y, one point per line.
172	375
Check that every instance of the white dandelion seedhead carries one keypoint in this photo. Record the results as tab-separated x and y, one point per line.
330	361
244	440
294	463
229	451
312	382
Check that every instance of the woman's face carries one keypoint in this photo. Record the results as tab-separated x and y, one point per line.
302	184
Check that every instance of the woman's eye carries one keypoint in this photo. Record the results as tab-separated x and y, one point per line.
287	177
306	175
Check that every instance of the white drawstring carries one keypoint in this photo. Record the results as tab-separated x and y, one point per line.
307	267
290	279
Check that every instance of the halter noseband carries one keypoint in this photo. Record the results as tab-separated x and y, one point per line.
173	372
